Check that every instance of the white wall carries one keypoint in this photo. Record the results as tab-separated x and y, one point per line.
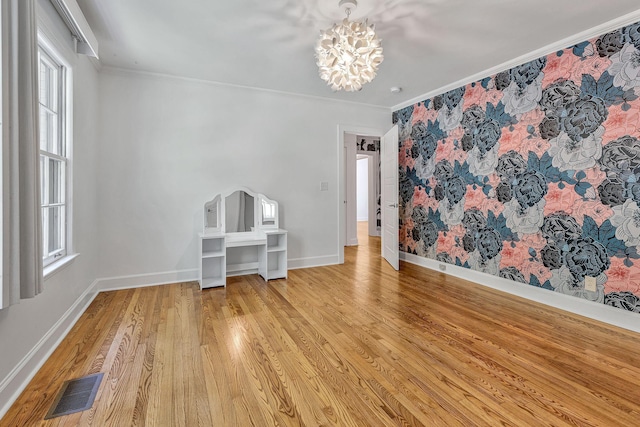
168	145
363	189
24	325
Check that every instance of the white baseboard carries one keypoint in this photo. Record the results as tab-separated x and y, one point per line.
319	261
593	310
15	382
154	279
20	376
147	279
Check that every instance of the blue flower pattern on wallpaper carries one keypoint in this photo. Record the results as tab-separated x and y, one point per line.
533	174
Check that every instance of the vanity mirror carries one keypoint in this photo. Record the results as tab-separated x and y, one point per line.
269	213
212	218
240	211
241	236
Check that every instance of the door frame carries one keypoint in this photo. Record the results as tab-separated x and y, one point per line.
341	196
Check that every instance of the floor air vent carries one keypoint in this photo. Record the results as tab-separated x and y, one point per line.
75	396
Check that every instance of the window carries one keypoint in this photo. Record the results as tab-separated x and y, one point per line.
54	160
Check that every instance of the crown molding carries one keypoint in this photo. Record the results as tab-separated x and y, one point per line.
606	27
149	74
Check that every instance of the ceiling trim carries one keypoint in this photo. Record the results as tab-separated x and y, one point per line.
622	21
150	74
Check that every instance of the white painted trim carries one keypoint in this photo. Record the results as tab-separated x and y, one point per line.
614	24
319	261
20	376
593	310
149	74
164	278
61	53
146	279
351	189
58	266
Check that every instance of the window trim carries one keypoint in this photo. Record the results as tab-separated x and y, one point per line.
58	110
46	44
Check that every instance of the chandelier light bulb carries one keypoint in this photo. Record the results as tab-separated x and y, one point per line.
348	54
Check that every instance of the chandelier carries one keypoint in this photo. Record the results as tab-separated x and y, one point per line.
348	54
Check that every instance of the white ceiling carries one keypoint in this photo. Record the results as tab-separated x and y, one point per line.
269	44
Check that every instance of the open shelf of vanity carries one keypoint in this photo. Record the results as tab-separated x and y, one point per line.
275	253
213	261
241	236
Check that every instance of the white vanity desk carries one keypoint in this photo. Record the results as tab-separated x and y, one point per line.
241	236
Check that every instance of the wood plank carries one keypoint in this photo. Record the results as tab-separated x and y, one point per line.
357	344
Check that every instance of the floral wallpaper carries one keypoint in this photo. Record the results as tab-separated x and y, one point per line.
533	174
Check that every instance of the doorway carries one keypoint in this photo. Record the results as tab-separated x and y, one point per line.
347	175
368	189
364	189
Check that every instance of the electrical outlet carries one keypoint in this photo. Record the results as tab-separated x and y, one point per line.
324	186
442	267
590	284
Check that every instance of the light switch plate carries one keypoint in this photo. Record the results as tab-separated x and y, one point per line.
590	284
324	186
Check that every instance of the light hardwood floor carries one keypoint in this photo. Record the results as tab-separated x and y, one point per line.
356	344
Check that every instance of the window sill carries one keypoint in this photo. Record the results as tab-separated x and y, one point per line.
59	265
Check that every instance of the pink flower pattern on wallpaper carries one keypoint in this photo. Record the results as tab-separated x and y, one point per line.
623	278
592	208
420	198
519	257
423	114
593	65
558	68
523	136
447	150
477	95
405	160
560	200
449	243
533	174
621	123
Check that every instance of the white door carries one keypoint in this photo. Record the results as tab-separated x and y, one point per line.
389	202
